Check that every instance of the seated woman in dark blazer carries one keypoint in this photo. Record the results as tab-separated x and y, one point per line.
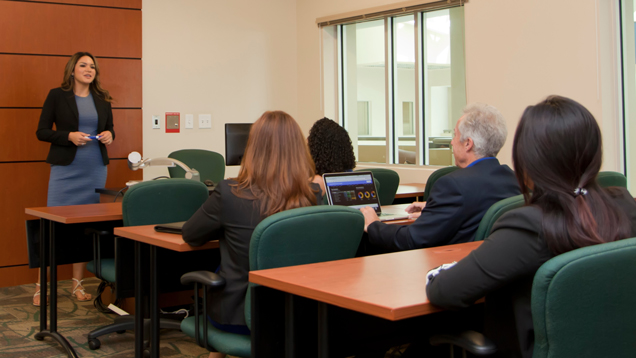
331	149
275	176
557	154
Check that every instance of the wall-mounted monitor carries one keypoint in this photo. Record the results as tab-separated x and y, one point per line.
236	135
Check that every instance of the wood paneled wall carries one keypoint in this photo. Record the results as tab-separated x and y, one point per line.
36	40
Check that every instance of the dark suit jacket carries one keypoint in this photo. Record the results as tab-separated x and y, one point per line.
454	208
502	269
60	109
231	220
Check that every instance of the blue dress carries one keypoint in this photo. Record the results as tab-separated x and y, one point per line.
75	184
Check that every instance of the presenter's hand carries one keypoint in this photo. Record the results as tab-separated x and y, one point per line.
79	138
106	137
415	209
369	216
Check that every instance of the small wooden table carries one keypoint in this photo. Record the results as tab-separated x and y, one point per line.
410	190
73	214
146	234
390	286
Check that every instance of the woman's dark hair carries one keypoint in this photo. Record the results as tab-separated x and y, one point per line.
557	151
331	148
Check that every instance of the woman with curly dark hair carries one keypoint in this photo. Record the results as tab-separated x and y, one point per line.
331	149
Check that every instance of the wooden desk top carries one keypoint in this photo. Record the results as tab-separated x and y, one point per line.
74	214
410	190
390	286
148	235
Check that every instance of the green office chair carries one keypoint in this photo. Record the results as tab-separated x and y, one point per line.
582	305
433	178
495	212
145	203
294	237
607	179
210	165
389	179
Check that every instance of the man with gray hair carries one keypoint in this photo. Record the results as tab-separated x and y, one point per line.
458	200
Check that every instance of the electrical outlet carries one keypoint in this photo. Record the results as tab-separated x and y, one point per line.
155	122
189	121
205	121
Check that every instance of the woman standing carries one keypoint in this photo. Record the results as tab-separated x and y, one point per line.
81	111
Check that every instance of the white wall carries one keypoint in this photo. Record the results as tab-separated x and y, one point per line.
517	53
224	58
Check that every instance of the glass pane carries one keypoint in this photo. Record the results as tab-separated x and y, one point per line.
404	88
629	89
444	81
363	82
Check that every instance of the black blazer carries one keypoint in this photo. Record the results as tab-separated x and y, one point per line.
454	208
60	108
502	269
231	220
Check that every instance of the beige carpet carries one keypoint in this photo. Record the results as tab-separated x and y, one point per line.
19	321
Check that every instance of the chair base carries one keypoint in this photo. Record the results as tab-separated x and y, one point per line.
127	323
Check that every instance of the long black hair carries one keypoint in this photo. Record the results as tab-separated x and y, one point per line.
558	151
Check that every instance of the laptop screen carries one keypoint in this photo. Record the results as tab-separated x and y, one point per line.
355	190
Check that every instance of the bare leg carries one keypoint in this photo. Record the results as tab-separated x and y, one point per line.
78	276
216	355
36	296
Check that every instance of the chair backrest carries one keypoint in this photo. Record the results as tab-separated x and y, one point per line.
210	165
607	179
162	201
433	178
494	212
583	302
303	236
389	179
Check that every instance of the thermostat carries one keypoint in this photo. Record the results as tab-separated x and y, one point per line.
172	122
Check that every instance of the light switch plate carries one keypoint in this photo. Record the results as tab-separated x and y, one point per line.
155	122
205	121
189	121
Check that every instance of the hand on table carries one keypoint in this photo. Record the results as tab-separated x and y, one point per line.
415	209
106	137
369	216
79	138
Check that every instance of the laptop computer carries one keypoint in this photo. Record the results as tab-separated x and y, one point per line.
356	190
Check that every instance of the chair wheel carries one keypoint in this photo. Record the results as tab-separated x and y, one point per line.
94	344
121	332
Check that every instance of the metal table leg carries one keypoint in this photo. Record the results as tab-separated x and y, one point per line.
154	306
139	309
52	332
323	331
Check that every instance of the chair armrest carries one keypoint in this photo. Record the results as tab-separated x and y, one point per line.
474	342
207	278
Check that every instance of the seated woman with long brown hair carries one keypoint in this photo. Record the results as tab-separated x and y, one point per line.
274	176
557	154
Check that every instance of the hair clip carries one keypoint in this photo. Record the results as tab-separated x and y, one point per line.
580	191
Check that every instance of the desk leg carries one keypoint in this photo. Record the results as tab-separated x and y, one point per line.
268	331
139	308
323	330
43	278
154	306
290	342
52	332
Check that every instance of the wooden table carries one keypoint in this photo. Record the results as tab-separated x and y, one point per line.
147	235
410	190
390	286
74	214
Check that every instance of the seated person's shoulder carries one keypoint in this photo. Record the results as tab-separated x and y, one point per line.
527	218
